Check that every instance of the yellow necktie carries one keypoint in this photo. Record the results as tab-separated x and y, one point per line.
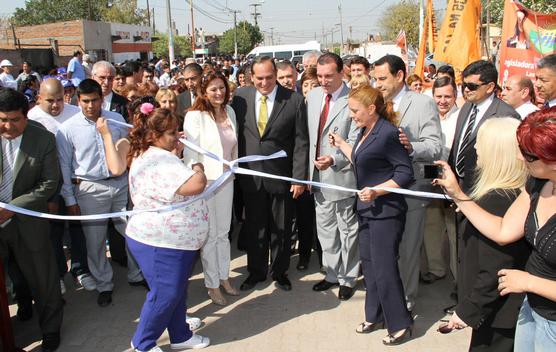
263	116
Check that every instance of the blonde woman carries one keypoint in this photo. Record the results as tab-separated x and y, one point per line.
167	99
500	179
359	81
211	124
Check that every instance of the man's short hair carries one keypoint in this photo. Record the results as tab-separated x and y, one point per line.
360	60
89	86
12	100
103	64
447	70
485	69
548	61
262	60
284	65
310	54
525	82
149	69
123	71
432	65
133	66
443	82
395	64
328	58
195	67
77	52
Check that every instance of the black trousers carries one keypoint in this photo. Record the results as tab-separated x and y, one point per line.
306	223
489	339
268	223
40	273
379	240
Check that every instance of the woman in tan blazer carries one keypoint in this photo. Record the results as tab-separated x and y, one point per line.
211	124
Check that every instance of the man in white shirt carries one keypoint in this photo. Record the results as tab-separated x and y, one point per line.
519	93
546	80
6	78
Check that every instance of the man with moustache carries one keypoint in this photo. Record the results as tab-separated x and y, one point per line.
192	74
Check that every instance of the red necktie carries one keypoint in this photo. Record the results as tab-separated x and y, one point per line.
322	122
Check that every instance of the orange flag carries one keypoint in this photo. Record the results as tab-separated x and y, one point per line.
429	27
432	32
459	38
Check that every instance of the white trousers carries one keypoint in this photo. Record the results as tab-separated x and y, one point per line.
215	254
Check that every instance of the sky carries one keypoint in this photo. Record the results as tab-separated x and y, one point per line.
289	21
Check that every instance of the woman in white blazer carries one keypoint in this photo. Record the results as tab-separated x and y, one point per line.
211	124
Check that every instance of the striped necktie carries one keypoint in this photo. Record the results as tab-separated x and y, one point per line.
460	158
7	173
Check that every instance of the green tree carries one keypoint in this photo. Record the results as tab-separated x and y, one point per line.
248	36
403	15
497	8
182	45
49	11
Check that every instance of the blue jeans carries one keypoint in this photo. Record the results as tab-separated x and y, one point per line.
534	333
167	272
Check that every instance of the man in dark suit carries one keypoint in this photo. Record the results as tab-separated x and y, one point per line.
479	83
29	177
270	118
192	74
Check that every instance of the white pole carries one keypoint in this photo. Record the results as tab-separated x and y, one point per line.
170	34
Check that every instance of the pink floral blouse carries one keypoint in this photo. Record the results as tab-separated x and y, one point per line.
154	178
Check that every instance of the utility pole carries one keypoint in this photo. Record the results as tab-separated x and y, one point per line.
192	29
271	35
341	27
255	14
235	33
170	33
154	25
148	13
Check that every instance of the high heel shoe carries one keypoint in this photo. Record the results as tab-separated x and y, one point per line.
228	288
366	328
391	340
216	296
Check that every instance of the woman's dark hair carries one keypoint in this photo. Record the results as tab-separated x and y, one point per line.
201	102
148	129
310	74
537	134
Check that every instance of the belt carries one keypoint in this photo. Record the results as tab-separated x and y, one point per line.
78	180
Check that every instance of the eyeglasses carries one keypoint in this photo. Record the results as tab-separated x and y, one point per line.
105	78
472	86
528	156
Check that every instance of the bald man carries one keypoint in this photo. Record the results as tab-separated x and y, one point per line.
51	111
520	94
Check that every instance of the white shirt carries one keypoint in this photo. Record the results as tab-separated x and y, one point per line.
333	99
552	102
270	98
482	107
16	143
398	99
8	80
107	101
525	109
448	126
52	123
164	80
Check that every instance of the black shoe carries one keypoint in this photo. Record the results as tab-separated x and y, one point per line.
104	298
140	283
429	278
250	283
303	264
450	310
24	310
345	293
324	285
50	342
283	283
394	341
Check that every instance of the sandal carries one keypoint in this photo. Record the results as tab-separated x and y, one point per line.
366	328
391	340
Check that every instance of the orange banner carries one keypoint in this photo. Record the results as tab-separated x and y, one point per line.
432	32
459	38
527	36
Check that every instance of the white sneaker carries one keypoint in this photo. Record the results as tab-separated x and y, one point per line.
154	349
62	287
195	342
87	281
194	322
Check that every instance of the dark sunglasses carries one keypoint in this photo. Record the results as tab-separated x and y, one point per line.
528	156
472	86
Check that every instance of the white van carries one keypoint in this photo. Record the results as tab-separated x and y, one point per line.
292	52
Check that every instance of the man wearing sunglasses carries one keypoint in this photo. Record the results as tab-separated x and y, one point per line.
479	83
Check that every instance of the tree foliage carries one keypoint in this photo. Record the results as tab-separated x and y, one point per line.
248	36
497	8
49	11
182	45
403	15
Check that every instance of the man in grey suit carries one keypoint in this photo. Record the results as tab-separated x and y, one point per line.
327	111
29	177
422	136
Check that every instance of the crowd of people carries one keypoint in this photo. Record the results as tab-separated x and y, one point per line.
67	150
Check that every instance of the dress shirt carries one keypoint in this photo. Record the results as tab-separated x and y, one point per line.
333	99
552	102
81	150
8	80
448	126
398	98
107	101
16	143
525	109
482	107
270	98
52	123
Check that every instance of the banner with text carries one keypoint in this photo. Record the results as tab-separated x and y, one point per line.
527	36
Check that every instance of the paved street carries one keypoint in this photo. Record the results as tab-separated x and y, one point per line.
266	319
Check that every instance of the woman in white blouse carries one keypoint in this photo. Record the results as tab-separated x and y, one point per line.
211	124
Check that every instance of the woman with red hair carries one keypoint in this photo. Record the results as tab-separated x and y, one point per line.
533	216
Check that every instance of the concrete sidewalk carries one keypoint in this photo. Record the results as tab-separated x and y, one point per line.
267	318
